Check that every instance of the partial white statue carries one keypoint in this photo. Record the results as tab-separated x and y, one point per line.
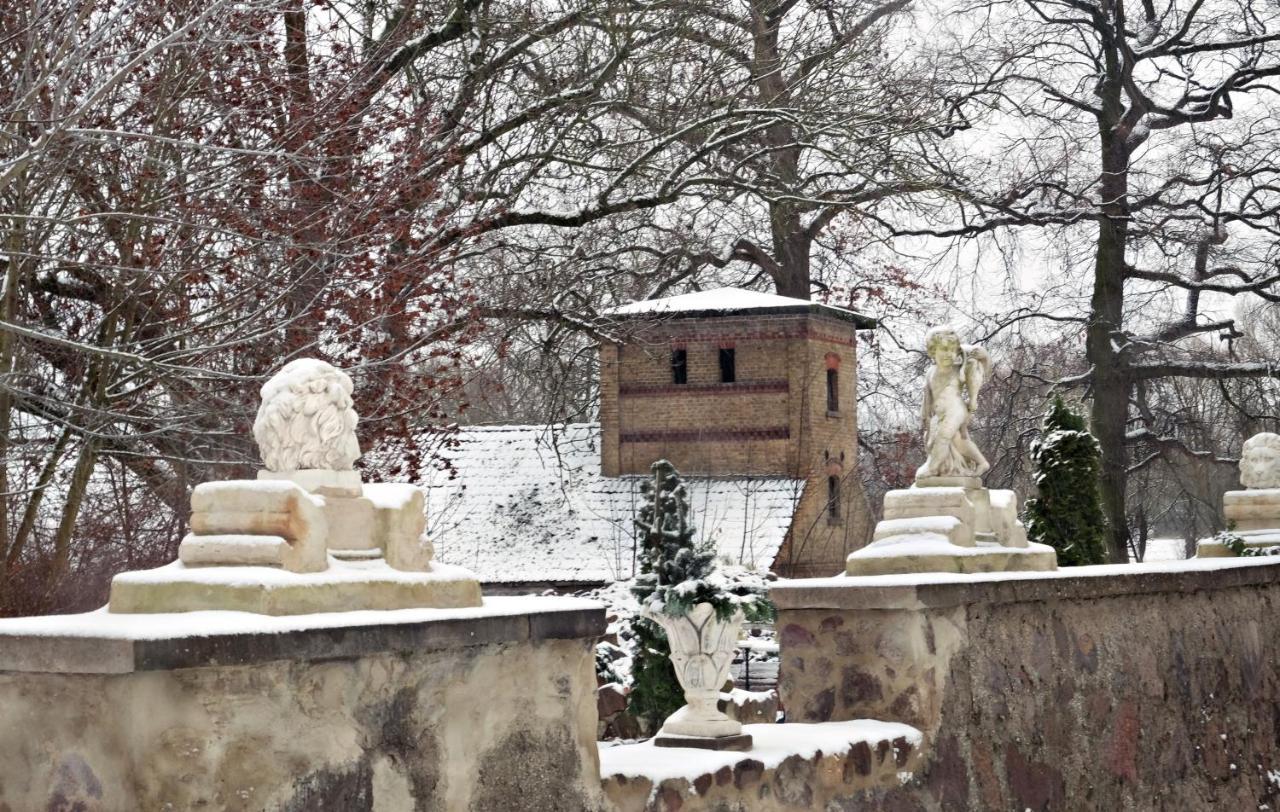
950	398
306	420
1260	461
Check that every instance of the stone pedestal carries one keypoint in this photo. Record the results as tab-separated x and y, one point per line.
344	586
950	524
738	741
1253	515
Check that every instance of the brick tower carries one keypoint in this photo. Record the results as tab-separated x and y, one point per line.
731	382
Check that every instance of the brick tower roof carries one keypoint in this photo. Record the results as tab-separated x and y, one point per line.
734	302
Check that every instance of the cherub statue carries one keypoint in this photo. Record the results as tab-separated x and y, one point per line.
950	398
306	420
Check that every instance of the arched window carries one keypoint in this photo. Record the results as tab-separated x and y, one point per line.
833	499
833	382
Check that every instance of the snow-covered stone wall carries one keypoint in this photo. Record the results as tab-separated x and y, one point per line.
488	708
1130	687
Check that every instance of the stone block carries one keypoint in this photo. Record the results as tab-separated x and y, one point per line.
351	523
949	527
912	503
320	481
247	522
399	521
1253	509
1004	519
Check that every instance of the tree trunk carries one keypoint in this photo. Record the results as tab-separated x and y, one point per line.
792	251
1110	408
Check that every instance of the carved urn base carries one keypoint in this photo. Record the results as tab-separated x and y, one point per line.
702	648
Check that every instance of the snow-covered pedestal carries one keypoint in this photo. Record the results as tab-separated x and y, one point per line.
1252	514
307	535
345	585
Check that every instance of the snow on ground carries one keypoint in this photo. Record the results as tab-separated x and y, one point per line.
529	504
1165	550
771	745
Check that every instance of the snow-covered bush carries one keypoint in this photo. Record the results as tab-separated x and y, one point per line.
676	574
1067	514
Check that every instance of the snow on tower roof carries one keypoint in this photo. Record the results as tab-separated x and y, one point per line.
529	505
734	301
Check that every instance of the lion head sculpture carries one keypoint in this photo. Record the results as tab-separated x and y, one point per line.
306	419
1260	461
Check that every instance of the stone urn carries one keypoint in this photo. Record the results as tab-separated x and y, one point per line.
702	648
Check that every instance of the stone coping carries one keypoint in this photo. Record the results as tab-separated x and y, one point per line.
938	590
105	643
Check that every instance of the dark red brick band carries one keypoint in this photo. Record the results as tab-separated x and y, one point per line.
707	435
746	388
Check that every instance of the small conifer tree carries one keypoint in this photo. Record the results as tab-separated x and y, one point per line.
1067	514
675	574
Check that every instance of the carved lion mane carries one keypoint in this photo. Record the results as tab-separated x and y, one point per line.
1260	462
306	419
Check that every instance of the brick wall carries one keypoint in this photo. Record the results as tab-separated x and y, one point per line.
771	421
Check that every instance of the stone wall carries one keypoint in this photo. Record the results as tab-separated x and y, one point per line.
492	711
791	768
1122	688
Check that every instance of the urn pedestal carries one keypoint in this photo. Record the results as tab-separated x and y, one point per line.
702	648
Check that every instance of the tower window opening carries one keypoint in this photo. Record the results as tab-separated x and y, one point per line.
728	372
679	366
833	390
833	499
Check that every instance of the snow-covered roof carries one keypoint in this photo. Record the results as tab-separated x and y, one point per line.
733	301
528	504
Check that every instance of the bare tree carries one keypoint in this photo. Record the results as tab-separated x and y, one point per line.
1144	134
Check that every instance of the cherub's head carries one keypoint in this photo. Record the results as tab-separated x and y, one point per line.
942	344
306	419
1260	461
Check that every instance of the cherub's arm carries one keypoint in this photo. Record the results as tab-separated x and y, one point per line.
926	405
977	366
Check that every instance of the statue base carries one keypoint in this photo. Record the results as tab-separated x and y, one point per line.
345	586
950	524
739	741
1253	539
908	555
969	483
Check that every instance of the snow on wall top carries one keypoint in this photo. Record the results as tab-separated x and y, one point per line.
724	301
528	504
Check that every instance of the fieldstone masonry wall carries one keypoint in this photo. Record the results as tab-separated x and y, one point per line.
1118	688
